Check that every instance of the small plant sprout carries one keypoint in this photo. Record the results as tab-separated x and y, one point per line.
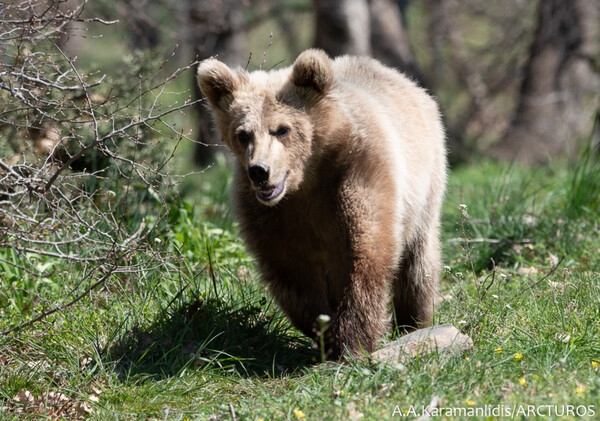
323	321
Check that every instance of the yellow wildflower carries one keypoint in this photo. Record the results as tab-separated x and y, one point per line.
470	402
523	381
298	413
499	350
595	363
518	356
580	389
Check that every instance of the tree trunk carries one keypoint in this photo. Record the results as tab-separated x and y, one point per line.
559	77
389	39
143	29
213	27
343	27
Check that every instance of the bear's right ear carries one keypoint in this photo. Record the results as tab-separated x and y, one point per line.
218	82
312	70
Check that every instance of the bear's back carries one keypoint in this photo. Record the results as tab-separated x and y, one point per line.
367	73
366	84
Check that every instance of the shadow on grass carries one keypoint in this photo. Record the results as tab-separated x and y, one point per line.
210	334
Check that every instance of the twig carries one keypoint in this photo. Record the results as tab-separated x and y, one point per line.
548	274
233	417
61	307
49	213
266	49
487	240
493	276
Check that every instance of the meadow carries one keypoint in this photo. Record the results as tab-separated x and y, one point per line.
185	330
203	339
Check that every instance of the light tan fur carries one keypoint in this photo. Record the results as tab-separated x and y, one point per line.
338	186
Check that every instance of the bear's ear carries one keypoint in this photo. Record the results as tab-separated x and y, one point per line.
218	82
312	70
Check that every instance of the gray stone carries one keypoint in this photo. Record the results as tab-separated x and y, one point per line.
445	339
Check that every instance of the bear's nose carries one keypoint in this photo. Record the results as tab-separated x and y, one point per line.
259	174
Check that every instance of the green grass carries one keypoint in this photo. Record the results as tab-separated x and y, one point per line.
206	340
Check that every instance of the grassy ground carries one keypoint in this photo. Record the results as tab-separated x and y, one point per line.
522	278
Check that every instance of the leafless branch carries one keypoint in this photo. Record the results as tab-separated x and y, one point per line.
83	153
60	307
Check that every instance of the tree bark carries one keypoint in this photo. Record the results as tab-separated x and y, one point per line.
559	77
214	27
143	29
389	39
343	27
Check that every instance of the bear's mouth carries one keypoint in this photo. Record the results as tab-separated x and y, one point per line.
270	193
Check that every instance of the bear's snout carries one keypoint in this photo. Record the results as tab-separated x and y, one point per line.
259	174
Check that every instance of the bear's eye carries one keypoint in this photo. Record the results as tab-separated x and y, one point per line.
244	137
282	131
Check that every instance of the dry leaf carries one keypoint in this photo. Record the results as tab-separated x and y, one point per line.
96	390
532	270
553	259
353	413
97	98
55	398
84	407
24	397
559	286
384	390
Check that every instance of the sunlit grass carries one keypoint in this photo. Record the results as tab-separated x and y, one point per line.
208	339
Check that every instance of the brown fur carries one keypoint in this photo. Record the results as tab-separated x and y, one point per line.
350	208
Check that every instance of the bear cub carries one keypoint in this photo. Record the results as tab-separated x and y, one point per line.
339	179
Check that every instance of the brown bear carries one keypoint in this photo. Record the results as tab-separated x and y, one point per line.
339	179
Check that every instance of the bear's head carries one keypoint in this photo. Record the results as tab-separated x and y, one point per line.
265	118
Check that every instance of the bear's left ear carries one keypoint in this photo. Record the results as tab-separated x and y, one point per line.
312	70
218	82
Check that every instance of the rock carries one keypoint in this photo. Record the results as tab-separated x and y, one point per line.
445	339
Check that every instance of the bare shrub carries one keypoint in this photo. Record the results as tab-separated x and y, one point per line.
84	162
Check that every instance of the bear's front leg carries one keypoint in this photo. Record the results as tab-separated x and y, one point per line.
360	319
356	322
302	305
